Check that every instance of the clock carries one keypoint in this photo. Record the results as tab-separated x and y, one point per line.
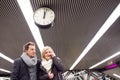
44	17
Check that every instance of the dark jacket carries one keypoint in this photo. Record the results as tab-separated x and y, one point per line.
57	69
20	70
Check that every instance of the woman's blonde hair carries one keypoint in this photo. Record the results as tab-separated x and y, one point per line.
44	50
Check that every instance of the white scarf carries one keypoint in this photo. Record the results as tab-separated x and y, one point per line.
47	64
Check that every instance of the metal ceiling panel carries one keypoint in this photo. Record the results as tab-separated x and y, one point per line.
76	23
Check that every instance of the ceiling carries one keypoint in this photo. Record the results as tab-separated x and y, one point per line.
76	23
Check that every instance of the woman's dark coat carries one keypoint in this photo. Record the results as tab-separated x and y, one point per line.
57	69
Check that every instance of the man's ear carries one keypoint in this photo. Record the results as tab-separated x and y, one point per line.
26	52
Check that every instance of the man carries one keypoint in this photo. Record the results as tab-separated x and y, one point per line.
24	68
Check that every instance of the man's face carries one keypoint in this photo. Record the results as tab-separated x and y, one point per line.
31	51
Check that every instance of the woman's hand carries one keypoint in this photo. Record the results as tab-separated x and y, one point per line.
52	54
51	75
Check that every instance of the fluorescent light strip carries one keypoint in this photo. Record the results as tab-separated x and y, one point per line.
103	29
118	76
6	58
26	8
5	70
116	54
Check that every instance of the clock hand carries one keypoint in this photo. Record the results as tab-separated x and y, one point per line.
44	13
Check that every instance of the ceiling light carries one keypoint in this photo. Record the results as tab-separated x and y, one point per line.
6	58
116	54
5	70
27	11
115	14
118	76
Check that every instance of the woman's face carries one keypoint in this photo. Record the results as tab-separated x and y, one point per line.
47	54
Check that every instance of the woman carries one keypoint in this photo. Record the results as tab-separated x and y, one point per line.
51	67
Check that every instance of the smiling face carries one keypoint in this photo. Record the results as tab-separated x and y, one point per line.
47	54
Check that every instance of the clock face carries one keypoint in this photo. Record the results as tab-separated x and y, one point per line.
44	16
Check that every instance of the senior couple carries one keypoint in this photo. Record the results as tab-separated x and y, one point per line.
28	67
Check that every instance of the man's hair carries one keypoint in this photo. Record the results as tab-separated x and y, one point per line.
26	46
